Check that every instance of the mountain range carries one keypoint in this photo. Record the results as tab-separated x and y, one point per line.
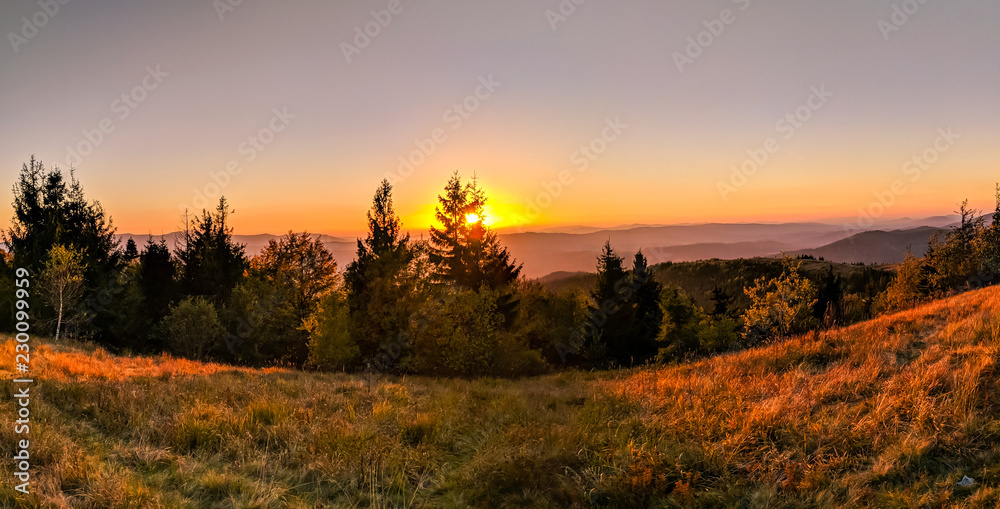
575	249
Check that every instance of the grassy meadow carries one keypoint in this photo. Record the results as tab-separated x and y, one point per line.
892	413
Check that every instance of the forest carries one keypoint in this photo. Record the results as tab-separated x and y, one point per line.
454	305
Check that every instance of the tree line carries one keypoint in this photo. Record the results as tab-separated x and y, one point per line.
452	305
964	258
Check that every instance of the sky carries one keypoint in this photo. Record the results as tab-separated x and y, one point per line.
569	112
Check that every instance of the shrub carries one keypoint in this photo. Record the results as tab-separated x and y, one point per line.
780	306
907	289
462	334
192	328
687	330
330	343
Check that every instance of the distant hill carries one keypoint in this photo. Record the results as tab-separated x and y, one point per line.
575	249
547	252
698	278
875	247
544	253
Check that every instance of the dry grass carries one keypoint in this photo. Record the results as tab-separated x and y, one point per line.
68	361
888	413
891	412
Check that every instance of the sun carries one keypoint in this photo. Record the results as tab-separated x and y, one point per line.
472	218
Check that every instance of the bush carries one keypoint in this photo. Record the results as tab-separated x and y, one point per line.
780	306
907	289
462	334
266	324
546	322
688	331
192	328
330	343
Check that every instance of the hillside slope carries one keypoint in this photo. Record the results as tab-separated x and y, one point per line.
891	412
875	247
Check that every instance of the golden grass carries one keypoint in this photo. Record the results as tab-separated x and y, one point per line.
886	400
71	361
887	413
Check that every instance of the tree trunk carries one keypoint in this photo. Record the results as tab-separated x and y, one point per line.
59	317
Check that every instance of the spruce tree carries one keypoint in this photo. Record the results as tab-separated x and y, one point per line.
448	243
50	211
611	309
465	251
131	251
212	263
157	281
648	314
379	284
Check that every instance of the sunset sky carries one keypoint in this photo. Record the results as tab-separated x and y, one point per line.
667	118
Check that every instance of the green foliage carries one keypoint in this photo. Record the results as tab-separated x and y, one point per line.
625	311
270	306
907	290
61	283
384	283
968	256
779	306
646	313
987	247
706	280
157	280
611	307
131	322
545	321
131	252
953	261
829	307
461	333
682	325
687	331
331	345
50	211
7	289
300	266
144	292
192	328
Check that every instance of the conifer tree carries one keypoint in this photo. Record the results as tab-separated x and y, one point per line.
50	211
465	251
211	262
379	283
131	251
648	314
157	281
611	309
